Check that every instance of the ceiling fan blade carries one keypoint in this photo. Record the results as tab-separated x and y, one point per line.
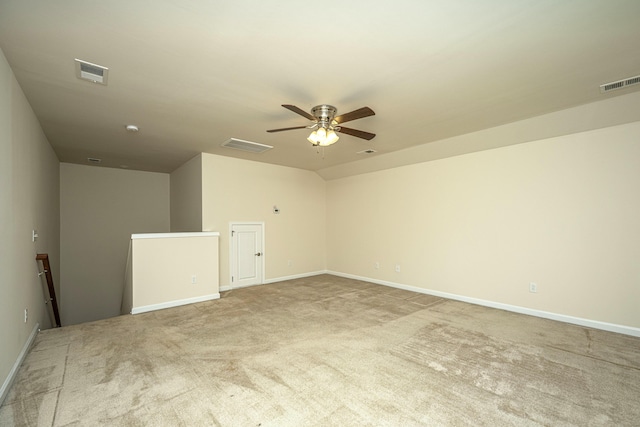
355	114
358	133
281	129
300	111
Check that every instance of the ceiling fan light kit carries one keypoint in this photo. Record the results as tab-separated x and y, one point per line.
326	123
323	138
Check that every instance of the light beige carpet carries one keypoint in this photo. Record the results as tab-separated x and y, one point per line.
327	351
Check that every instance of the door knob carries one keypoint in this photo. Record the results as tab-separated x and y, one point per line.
258	254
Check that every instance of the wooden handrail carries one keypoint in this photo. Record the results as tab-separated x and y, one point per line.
52	291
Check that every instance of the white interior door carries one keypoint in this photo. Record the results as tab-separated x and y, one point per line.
247	254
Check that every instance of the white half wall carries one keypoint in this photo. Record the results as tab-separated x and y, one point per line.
560	212
100	209
173	269
237	190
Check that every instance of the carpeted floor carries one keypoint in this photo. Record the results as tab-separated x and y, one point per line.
327	351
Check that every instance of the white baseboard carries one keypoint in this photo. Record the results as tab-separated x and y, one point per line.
14	370
175	303
277	279
611	327
295	276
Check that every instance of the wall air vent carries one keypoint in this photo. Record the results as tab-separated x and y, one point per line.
620	84
94	160
368	151
91	72
252	147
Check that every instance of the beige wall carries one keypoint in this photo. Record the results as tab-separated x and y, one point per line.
616	108
240	190
163	268
100	208
29	186
186	196
560	212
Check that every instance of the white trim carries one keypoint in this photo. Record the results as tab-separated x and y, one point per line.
174	235
295	276
229	288
14	370
595	324
277	279
175	303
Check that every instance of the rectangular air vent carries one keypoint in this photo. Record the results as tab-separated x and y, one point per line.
620	84
94	160
93	72
239	144
367	151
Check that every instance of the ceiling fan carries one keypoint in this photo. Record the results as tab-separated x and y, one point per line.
326	123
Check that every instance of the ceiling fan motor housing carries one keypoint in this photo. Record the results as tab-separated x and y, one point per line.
325	114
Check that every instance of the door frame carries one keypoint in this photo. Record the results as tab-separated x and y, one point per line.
232	253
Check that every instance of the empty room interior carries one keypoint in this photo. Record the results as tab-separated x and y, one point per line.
465	250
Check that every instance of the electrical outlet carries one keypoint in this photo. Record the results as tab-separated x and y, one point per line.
397	268
194	279
26	315
533	287
34	235
289	263
376	265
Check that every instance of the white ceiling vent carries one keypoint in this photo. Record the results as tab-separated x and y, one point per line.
620	84
93	72
239	144
367	151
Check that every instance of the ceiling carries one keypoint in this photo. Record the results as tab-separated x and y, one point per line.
192	74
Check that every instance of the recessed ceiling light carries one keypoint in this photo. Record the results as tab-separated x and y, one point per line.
132	128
